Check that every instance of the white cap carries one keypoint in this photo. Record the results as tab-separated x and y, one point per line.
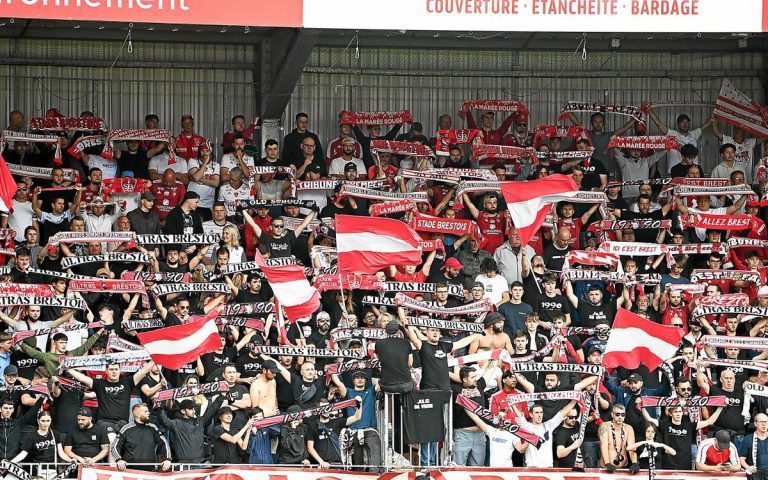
763	291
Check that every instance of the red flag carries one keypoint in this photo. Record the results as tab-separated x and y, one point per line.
174	347
7	187
369	244
529	202
734	107
291	289
634	340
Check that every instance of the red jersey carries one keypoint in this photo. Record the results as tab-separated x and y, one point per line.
390	171
251	241
512	140
167	198
491	137
188	147
492	226
679	311
336	149
575	227
499	404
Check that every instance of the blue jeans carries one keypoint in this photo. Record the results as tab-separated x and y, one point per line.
469	447
428	454
591	451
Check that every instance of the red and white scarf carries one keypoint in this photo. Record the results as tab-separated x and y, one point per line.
561	131
640	224
11	136
258	308
447	138
695	191
715	221
70	175
724	341
725	299
125	185
67	124
33	289
349	366
592	258
482	306
704	310
347	117
86	237
626	110
117	344
175	277
713	401
367	193
400	148
347	282
22	334
121	257
169	288
706	275
494	106
61	302
449	226
690	288
503	152
444	324
388	208
107	285
141	134
645	143
84	143
184	392
367	333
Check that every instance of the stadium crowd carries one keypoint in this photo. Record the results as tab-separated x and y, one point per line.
57	407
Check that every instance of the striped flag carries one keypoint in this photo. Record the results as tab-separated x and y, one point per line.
369	244
7	187
292	290
634	340
530	202
174	347
734	107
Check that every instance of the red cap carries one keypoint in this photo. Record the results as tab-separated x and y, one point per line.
522	117
53	112
187	115
453	263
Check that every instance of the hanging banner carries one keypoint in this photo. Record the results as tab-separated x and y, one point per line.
539	15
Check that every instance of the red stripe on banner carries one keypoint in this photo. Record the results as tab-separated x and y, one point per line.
765	15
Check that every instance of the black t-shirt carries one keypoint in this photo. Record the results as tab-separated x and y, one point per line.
393	353
87	444
306	394
279	247
592	173
730	418
593	315
566	437
213	363
434	365
65	409
460	417
644	453
324	435
248	366
225	452
40	448
555	257
680	437
423	419
114	398
136	162
548	307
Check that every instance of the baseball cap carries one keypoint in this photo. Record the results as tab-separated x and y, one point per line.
190	196
148	196
271	366
593	349
359	373
97	201
763	291
453	263
185	116
348	140
11	370
84	412
634	378
187	405
350	166
392	327
293	409
723	439
315	168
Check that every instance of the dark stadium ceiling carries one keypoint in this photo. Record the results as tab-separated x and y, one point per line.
627	42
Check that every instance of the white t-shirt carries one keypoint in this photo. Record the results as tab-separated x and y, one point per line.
159	163
744	155
494	287
674	156
229	161
337	166
541	457
108	167
207	194
501	446
230	196
21	218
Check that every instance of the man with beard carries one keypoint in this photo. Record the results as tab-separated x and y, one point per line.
90	444
189	430
614	438
645	213
280	240
490	221
568	441
519	137
338	164
263	390
455	159
494	337
469	439
672	306
322	332
594	311
684	135
136	444
256	292
630	398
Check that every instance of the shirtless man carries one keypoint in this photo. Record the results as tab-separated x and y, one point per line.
264	389
494	337
614	438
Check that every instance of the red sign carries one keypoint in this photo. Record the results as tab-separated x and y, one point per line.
255	13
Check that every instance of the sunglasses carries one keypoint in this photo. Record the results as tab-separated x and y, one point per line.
278	226
686	389
572	417
616	414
